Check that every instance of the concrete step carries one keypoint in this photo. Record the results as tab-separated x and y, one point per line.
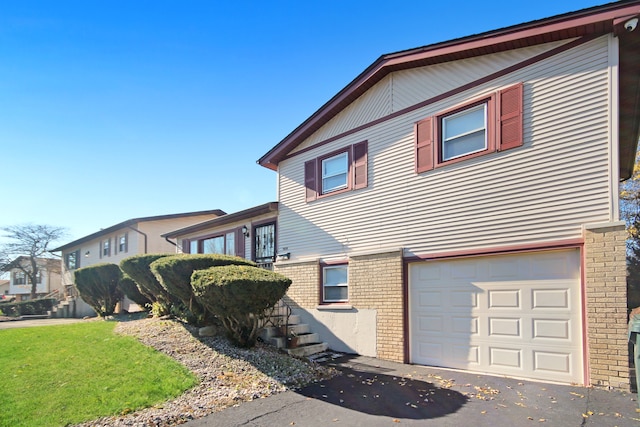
299	329
304	339
308	350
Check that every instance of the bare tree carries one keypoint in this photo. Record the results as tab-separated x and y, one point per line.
27	244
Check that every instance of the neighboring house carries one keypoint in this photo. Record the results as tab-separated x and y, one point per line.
4	288
456	205
249	234
49	278
131	237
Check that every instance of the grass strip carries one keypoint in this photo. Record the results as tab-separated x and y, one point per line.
61	375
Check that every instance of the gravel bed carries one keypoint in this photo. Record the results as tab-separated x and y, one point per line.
228	375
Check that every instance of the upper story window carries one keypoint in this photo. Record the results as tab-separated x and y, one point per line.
464	132
335	286
337	172
105	248
72	260
123	243
19	278
483	126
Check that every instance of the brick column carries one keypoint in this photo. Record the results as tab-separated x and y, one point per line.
606	305
375	282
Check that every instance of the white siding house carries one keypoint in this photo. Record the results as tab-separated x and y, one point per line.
457	204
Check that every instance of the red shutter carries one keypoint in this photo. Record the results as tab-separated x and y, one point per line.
424	145
186	246
360	165
240	241
310	179
510	116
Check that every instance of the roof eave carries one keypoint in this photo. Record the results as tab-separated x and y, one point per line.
255	211
131	223
597	20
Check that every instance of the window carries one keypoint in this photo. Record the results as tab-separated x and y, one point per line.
72	260
105	248
464	132
19	278
486	125
335	284
337	172
217	244
123	243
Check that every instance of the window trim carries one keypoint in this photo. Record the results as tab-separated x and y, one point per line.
505	117
357	171
199	240
323	268
490	140
347	173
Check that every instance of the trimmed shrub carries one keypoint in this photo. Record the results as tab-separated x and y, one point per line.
174	274
239	296
137	267
98	287
32	307
130	289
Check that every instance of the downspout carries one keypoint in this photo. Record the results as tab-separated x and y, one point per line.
169	241
143	234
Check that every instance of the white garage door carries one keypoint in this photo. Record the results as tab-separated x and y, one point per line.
516	315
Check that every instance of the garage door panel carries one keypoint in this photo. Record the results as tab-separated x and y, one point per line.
463	299
551	298
464	325
504	327
505	357
555	329
499	314
507	298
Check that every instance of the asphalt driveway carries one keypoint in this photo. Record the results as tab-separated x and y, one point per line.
372	393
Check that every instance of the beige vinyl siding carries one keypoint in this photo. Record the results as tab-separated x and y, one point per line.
406	88
543	191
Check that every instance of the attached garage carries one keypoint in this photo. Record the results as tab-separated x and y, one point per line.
517	315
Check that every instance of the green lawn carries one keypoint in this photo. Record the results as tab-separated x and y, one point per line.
60	375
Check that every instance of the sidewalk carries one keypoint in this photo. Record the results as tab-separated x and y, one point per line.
11	324
372	393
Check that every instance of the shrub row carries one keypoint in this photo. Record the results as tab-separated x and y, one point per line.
201	288
26	308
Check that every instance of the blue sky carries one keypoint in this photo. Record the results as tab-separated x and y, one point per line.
124	109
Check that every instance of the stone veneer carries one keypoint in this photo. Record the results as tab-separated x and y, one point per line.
606	304
375	282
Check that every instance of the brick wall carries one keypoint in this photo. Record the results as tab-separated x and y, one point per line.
375	282
606	305
304	291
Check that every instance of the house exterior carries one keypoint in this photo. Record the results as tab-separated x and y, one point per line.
249	234
125	239
456	205
49	278
4	288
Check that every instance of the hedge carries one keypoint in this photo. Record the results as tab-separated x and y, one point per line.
137	267
98	287
174	274
129	288
27	308
239	297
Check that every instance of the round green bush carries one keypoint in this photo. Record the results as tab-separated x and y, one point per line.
239	296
